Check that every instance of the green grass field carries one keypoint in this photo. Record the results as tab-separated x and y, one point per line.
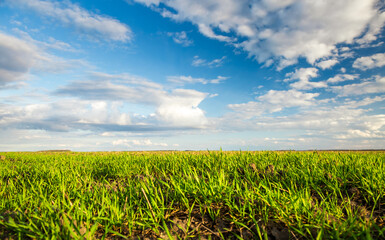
192	195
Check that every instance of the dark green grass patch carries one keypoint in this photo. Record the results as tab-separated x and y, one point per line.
192	195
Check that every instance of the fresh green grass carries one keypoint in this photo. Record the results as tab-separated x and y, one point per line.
192	195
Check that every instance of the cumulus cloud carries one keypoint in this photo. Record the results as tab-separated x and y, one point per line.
375	85
181	80
342	78
274	101
356	133
303	75
364	63
87	23
178	108
343	120
374	29
280	30
290	98
181	38
327	63
199	62
364	102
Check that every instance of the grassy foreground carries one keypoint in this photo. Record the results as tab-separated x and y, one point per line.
192	195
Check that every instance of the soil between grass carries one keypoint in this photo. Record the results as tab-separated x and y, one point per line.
194	195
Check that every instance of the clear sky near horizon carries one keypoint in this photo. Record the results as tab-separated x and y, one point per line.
192	74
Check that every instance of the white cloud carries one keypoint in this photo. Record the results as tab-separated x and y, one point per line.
64	115
57	65
102	112
107	134
327	63
138	143
199	62
178	108
342	78
181	38
186	80
181	80
374	29
274	101
107	102
20	56
125	78
208	32
219	79
15	22
280	30
364	63
377	85
85	22
17	58
149	2
290	98
250	109
356	133
51	42
364	102
303	75
118	87
343	120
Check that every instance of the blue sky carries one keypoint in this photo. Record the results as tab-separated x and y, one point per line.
192	74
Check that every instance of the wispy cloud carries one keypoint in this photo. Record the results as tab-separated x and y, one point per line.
90	24
21	55
17	58
51	42
199	62
181	38
206	30
138	142
182	80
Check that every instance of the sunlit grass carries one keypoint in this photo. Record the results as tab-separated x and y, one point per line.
201	195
